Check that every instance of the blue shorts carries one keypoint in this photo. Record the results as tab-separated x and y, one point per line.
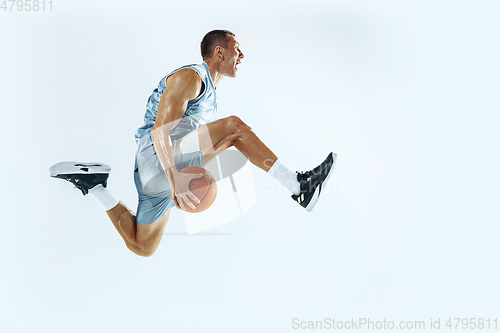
150	180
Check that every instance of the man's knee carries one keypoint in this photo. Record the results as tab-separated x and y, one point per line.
237	125
146	252
234	122
141	250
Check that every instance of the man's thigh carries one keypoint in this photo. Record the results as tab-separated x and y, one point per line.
215	137
151	234
145	229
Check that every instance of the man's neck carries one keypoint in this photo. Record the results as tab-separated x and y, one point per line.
214	72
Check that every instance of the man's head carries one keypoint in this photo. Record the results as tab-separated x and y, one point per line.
222	48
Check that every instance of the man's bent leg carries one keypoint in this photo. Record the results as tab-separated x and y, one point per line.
91	178
142	239
221	134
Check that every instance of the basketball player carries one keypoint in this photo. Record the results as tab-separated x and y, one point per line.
180	130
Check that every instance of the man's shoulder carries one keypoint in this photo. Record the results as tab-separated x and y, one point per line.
186	74
191	70
198	68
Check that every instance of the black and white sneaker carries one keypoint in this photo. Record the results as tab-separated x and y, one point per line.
311	182
83	175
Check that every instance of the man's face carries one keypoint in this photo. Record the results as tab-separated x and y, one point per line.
232	57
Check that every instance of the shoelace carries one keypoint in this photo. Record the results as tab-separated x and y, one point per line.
303	176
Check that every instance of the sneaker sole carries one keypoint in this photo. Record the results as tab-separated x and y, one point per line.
315	197
69	168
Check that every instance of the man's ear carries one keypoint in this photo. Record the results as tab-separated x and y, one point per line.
220	52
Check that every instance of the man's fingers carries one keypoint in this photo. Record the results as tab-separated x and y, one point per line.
193	197
188	202
182	204
178	200
191	205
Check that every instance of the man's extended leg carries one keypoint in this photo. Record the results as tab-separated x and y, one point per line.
305	187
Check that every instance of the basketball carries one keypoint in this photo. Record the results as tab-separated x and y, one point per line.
204	188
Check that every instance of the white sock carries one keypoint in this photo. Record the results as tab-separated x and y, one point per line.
104	197
285	177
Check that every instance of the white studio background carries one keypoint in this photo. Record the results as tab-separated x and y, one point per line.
404	91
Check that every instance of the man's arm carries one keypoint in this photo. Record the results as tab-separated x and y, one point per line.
182	86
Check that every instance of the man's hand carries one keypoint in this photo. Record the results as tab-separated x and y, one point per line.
179	190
